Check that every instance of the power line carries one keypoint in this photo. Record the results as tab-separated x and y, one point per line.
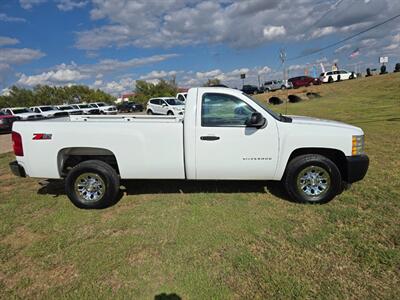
332	8
345	39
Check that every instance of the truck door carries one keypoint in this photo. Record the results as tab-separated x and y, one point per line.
225	147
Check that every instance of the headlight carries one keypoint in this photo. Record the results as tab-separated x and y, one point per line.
357	145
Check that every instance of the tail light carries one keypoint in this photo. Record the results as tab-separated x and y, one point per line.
17	144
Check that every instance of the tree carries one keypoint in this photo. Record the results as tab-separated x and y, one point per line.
211	82
146	90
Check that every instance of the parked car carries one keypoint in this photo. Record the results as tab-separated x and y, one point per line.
224	135
128	107
86	109
332	76
301	81
104	108
165	106
49	111
274	85
6	122
69	109
181	96
250	89
23	113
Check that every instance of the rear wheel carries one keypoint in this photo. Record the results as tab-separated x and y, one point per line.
338	78
170	113
92	184
149	112
330	79
313	179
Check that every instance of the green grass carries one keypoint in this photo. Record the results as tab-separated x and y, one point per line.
219	245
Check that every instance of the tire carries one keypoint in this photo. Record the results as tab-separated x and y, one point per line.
321	189
338	78
170	113
150	112
330	79
283	87
103	180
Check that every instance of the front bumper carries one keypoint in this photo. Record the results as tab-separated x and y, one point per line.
357	167
17	169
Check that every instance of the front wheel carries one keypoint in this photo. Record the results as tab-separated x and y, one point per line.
92	184
149	112
312	179
170	113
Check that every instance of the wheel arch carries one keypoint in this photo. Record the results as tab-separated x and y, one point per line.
335	155
67	158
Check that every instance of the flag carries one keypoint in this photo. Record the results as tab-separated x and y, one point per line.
355	53
322	68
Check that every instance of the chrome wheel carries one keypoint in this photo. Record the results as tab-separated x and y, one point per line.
89	187
313	182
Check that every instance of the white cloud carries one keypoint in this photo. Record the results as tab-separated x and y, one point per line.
320	32
170	23
272	32
19	56
28	4
67	5
396	38
61	76
158	75
5	18
6	41
73	73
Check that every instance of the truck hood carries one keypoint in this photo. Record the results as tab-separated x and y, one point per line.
323	122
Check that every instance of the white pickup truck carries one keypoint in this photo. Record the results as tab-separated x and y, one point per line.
223	135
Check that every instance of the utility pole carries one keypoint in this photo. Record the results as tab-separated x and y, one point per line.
282	56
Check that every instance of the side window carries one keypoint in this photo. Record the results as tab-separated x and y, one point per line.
219	110
8	112
342	72
36	110
329	73
181	98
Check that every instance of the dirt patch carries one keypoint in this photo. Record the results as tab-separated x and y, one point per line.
21	238
5	143
139	256
39	280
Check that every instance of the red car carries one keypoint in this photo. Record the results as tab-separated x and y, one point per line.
304	81
6	122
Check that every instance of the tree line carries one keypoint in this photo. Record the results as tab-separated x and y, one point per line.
56	95
52	95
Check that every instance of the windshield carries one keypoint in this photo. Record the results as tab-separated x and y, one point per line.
21	111
46	108
65	107
265	107
173	101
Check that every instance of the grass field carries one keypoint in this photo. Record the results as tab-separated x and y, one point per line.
218	240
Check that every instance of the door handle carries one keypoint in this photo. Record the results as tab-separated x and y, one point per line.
209	138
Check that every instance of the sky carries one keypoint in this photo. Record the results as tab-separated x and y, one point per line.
109	44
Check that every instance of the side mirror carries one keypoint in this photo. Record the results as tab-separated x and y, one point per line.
256	120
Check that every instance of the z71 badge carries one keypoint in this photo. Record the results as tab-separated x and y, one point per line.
42	136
